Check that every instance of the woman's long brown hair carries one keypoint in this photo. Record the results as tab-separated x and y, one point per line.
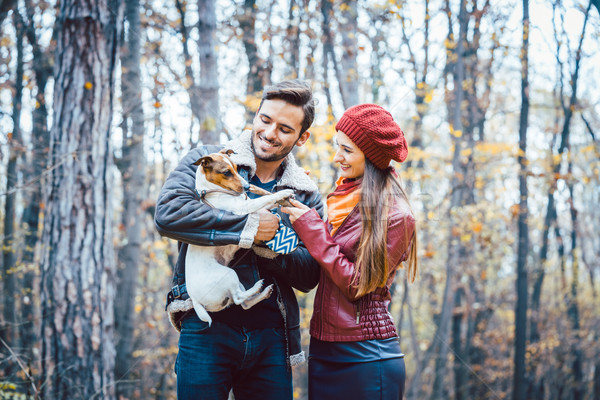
380	191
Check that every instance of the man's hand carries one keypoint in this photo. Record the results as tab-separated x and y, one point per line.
267	226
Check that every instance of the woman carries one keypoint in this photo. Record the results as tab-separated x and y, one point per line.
370	231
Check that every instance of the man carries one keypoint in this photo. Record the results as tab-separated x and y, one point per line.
250	351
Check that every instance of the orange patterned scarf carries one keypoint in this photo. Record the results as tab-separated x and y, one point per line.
342	201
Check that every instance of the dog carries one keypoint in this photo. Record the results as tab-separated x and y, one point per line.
211	284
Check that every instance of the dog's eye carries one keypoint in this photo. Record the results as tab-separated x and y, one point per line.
227	173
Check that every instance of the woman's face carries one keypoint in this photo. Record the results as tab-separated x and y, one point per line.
349	156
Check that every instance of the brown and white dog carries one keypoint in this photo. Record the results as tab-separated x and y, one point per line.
211	285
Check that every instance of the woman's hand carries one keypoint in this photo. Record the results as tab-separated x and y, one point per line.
295	212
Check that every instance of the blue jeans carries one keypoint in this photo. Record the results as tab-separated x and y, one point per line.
213	360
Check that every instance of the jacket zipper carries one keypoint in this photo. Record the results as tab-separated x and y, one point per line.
355	209
321	308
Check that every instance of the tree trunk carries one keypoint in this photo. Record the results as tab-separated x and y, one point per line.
573	308
34	171
309	72
293	39
376	73
259	72
457	199
326	10
210	120
8	330
349	68
519	377
460	372
78	267
190	80
132	170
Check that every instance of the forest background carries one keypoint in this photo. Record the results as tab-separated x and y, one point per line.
500	102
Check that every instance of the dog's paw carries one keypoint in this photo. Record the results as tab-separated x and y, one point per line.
284	194
268	291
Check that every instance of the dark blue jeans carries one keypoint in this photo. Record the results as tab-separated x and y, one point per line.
212	361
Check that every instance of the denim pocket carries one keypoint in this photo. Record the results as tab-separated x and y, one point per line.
193	324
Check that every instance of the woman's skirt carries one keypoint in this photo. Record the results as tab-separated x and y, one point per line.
372	380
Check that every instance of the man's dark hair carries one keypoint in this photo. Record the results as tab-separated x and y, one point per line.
295	92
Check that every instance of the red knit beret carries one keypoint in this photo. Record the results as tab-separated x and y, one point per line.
374	131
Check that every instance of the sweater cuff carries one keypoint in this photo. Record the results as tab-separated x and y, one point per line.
249	231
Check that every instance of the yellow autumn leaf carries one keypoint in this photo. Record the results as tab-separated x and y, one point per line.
588	148
5	41
494	148
7	386
556	158
252	102
428	254
209	124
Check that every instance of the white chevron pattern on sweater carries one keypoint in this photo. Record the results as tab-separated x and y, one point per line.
285	240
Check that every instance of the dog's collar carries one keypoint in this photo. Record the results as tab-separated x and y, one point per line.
202	194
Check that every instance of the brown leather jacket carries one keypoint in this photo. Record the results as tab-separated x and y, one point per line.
339	315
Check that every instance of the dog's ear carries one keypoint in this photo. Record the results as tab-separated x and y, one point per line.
204	162
227	152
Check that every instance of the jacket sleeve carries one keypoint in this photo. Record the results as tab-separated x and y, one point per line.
182	216
336	265
298	268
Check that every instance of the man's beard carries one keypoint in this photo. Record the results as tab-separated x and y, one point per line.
278	155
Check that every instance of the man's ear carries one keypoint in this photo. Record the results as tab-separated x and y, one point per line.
303	138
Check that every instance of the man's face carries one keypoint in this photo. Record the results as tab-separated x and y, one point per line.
276	130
